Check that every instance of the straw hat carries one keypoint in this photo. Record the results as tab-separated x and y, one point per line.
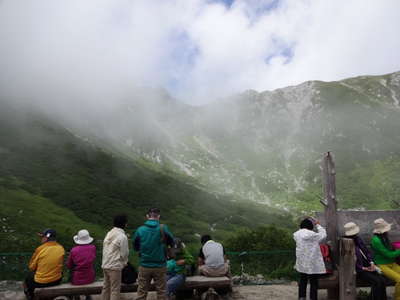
381	226
351	228
83	237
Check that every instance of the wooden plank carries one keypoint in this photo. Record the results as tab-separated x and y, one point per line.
365	220
329	281
67	289
194	282
347	266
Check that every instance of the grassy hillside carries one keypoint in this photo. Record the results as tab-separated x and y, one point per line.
23	215
42	159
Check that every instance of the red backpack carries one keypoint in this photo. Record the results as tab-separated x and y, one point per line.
326	255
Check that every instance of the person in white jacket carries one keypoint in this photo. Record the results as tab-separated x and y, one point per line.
115	257
309	261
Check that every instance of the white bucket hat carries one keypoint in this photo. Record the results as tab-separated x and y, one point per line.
381	226
83	237
351	228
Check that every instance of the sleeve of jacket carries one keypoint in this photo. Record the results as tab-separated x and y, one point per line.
34	260
321	233
124	249
70	263
136	241
378	246
365	250
359	264
169	237
94	253
188	257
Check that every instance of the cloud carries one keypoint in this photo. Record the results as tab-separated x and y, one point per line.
95	51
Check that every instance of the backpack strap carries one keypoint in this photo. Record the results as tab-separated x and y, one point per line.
162	237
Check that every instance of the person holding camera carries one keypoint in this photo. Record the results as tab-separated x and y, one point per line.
309	261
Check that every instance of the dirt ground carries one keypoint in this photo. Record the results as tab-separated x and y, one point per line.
249	292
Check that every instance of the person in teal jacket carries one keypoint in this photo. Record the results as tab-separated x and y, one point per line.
384	255
176	266
151	241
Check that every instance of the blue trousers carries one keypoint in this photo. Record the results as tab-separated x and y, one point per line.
174	281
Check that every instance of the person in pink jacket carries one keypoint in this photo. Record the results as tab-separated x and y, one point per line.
81	259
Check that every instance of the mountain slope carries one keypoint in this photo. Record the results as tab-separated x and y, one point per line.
24	214
43	158
267	146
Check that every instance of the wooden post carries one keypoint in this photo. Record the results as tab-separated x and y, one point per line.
329	188
347	267
330	203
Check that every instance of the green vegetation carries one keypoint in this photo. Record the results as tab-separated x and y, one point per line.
266	250
43	163
21	222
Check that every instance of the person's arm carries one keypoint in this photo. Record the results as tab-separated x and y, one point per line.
359	259
70	263
365	250
225	257
187	259
378	246
169	237
34	260
200	258
321	232
94	253
136	241
124	249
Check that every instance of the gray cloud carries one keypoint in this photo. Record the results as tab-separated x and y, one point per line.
69	53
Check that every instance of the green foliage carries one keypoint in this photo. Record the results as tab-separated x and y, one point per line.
369	185
49	163
261	238
375	185
266	250
23	215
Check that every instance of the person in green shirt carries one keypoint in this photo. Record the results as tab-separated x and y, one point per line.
384	255
176	266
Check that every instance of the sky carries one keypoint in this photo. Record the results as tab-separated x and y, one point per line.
198	50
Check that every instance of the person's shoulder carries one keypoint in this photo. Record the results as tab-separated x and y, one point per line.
90	247
165	226
40	248
140	229
375	239
60	246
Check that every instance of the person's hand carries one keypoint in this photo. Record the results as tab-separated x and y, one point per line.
372	268
180	262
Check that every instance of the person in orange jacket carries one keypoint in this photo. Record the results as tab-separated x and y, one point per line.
46	264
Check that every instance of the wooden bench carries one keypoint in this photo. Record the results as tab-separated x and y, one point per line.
67	289
342	284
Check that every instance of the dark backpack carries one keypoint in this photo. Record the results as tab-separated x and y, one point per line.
129	274
169	251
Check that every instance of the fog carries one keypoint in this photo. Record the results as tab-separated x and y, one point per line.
92	53
150	75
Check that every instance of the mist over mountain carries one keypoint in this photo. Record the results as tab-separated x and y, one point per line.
237	162
264	147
